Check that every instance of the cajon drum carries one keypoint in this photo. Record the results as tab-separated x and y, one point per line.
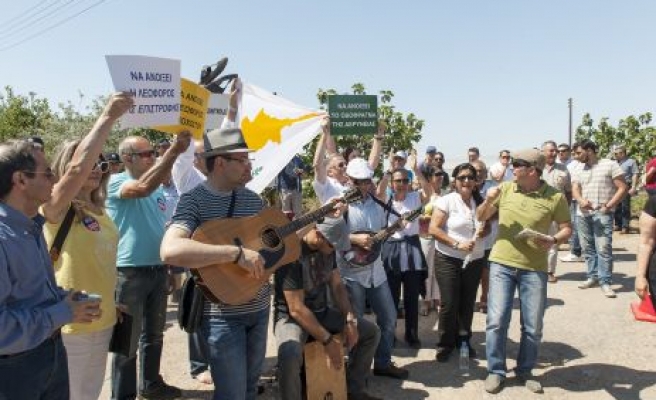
321	381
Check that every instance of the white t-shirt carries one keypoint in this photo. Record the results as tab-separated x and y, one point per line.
329	189
412	201
461	225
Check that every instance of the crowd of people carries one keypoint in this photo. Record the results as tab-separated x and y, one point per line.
93	239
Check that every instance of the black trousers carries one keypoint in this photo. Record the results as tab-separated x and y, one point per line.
413	283
458	288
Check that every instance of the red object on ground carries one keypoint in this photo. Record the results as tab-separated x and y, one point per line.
644	311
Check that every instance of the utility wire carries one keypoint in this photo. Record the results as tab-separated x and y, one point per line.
39	33
34	23
7	25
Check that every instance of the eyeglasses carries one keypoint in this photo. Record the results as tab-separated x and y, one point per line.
404	181
244	161
144	154
361	182
48	173
463	178
103	166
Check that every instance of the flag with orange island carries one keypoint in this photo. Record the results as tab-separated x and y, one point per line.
276	129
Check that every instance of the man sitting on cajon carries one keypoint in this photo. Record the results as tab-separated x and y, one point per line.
302	305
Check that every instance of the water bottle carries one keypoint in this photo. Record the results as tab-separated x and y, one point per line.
464	356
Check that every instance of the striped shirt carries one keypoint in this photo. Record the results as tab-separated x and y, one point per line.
596	181
204	203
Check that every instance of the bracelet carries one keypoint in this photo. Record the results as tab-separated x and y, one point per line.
327	340
241	252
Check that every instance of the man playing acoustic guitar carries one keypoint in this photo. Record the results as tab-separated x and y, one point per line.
235	334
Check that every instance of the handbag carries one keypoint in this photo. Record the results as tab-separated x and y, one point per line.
190	306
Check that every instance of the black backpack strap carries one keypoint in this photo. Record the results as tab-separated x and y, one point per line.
64	228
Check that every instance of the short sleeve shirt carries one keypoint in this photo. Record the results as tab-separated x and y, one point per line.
140	223
597	181
518	210
312	274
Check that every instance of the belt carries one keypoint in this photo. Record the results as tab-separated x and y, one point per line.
55	335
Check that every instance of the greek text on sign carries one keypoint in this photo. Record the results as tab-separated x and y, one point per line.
155	84
353	114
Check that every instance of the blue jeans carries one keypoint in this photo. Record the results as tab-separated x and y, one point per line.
40	373
532	288
596	232
237	346
380	299
623	213
143	291
574	243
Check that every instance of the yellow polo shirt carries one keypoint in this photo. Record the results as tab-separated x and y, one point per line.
517	210
88	262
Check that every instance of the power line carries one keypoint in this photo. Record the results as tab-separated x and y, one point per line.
39	33
30	24
7	25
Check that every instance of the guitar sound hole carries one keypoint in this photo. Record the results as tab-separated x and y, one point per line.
270	238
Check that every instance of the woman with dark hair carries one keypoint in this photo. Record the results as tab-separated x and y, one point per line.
458	260
88	253
403	258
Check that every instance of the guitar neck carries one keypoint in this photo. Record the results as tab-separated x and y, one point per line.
306	219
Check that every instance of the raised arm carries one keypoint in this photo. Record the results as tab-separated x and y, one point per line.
85	157
154	177
319	162
377	146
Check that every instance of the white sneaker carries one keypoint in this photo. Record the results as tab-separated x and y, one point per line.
571	258
608	291
588	284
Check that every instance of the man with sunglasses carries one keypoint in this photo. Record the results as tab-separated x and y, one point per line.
370	281
520	264
137	206
303	309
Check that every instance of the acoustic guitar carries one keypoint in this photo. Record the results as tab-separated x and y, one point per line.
270	233
360	257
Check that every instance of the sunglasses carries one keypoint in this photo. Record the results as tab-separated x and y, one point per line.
463	178
360	182
404	181
520	164
103	166
144	154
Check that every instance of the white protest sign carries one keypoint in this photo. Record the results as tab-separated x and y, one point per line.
154	83
217	110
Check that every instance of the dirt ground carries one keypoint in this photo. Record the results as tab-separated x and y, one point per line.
592	349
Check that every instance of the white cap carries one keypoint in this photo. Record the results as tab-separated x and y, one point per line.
358	168
401	154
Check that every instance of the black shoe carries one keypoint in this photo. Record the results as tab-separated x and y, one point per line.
392	371
161	391
443	354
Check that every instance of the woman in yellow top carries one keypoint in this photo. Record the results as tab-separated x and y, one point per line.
88	254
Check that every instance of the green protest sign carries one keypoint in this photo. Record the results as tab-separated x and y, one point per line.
353	114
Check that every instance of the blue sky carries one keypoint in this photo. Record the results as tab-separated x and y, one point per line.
495	74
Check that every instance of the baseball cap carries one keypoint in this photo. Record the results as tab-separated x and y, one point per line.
532	156
358	168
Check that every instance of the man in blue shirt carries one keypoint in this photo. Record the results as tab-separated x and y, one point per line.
137	205
33	361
